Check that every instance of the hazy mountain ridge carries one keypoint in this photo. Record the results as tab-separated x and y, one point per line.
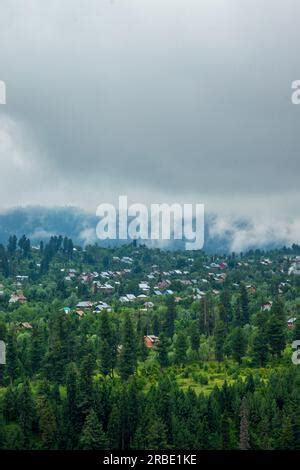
221	235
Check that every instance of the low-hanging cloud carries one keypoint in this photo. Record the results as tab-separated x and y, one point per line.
159	100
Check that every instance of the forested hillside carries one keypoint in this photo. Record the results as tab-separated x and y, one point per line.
136	348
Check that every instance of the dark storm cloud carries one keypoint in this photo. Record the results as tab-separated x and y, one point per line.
170	97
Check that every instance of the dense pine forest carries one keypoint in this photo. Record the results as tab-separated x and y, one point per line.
136	348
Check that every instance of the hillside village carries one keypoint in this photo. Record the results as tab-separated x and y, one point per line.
124	285
88	329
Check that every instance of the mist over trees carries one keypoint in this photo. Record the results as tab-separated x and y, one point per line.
202	360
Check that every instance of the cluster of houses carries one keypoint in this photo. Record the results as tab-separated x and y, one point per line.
95	277
158	283
88	305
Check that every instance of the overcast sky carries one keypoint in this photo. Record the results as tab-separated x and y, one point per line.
162	100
